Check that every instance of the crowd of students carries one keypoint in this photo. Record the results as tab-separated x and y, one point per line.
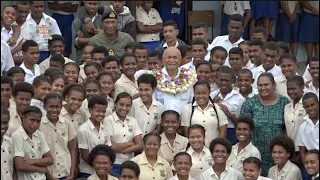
123	109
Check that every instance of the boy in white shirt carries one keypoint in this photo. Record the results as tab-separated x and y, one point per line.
30	50
244	148
221	149
308	135
313	86
31	154
244	84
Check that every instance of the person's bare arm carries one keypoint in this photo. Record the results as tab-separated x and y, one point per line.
118	147
306	5
83	41
302	153
156	28
85	155
45	161
144	29
22	166
223	131
157	129
16	33
72	146
247	16
136	147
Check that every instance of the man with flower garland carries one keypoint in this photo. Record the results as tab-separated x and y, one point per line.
175	83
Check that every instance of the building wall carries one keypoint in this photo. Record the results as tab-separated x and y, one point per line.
216	7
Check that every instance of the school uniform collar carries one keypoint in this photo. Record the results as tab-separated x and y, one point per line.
291	103
92	127
94	176
44	17
24	67
140	103
262	70
212	173
306	118
14	114
226	38
230	94
282	78
116	118
64	111
144	160
192	151
311	87
164	139
165	45
24	134
176	178
196	104
126	79
45	120
247	65
286	168
4	30
6	138
236	147
314	177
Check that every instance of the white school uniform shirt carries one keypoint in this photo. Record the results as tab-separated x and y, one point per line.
314	177
200	162
312	89
29	77
167	151
40	32
233	101
289	171
122	131
5	36
263	178
207	118
249	65
35	148
45	64
63	2
147	118
173	101
308	135
225	42
57	137
190	66
39	104
6	158
207	57
151	18
290	6
293	118
306	75
281	86
228	174
253	92
256	72
88	138
236	159
235	7
6	57
176	178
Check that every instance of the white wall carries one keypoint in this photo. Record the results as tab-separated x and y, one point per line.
216	7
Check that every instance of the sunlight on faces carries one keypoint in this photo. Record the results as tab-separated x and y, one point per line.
243	131
288	67
279	155
74	100
312	107
107	84
251	171
265	86
53	107
23	100
86	56
129	66
244	82
57	86
145	92
201	94
312	164
152	146
255	53
170	124
220	154
123	107
71	74
182	165
219	57
196	139
204	72
98	113
102	165
8	16
42	90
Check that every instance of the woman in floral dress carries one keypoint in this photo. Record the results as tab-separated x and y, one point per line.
267	110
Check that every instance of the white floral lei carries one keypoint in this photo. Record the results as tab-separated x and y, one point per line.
180	84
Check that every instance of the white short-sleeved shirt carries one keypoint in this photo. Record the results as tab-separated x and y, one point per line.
173	101
207	57
236	159
308	135
167	151
263	178
6	57
235	7
39	104
228	174
151	18
289	5
249	65
40	32
122	131
200	162
256	72
253	92
78	118
6	158
14	123
207	118
314	4
281	86
33	148
64	2
225	42
312	89
146	118
176	178
45	64
233	101
306	75
189	66
96	177
124	84
88	138
29	77
293	118
289	171
58	137
5	36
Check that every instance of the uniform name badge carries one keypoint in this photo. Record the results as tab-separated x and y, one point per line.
162	173
301	112
130	128
212	113
155	116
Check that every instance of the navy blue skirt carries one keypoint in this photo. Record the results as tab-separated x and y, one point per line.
309	28
224	27
264	9
285	31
